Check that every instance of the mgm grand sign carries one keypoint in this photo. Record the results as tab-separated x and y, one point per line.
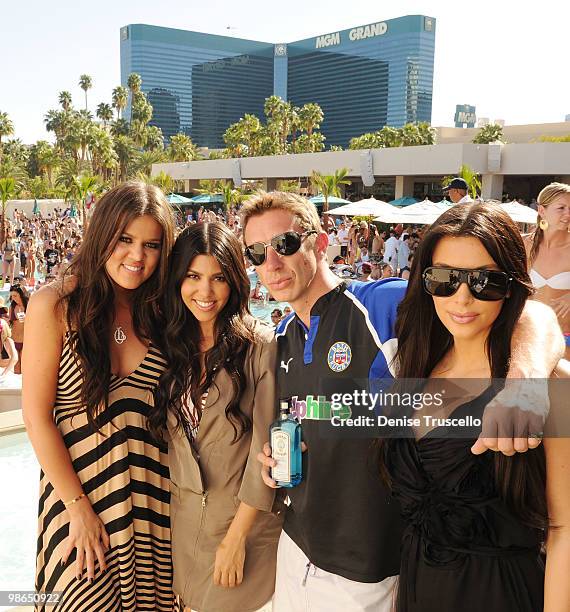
368	31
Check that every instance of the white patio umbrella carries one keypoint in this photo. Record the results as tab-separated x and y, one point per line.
422	213
366	208
519	212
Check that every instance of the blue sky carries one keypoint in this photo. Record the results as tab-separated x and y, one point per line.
508	61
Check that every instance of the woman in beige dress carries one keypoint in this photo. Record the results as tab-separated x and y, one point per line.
217	400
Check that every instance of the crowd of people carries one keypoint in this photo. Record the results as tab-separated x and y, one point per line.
148	391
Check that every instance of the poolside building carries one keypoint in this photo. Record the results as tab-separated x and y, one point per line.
363	77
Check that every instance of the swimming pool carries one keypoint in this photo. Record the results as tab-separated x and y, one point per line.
18	512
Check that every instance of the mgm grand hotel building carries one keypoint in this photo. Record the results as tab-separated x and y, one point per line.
363	78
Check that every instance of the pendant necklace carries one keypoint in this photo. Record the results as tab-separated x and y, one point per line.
119	335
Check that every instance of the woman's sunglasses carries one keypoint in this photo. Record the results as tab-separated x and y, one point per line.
287	243
485	285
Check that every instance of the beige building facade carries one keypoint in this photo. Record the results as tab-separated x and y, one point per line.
520	168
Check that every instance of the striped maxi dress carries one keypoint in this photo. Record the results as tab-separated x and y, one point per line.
125	475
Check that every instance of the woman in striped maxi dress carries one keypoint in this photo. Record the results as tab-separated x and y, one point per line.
89	372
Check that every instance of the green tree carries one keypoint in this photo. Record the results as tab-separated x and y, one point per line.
120	127
310	117
144	160
38	187
104	112
7	192
163	181
125	150
65	100
554	138
120	99
489	134
47	160
329	184
6	128
103	156
85	82
472	179
134	82
154	138
244	137
181	149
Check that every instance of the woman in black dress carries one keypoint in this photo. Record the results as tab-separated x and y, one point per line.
475	523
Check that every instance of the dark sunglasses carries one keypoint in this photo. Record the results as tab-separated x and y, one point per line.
287	243
485	285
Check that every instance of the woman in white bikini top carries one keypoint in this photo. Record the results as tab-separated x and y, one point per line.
548	250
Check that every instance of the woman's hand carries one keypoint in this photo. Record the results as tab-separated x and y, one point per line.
561	305
86	533
230	557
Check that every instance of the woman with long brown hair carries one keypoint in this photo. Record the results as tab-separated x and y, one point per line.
548	252
216	400
19	298
89	371
475	523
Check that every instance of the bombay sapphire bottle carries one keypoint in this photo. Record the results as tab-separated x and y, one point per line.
285	440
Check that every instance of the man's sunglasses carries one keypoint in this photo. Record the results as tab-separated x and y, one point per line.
287	243
485	285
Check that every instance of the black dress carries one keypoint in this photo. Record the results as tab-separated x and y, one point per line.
462	549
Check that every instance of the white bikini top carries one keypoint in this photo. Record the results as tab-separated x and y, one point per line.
558	281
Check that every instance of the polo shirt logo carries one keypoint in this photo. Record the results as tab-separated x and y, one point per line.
339	356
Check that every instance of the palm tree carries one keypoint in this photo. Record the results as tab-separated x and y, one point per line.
125	150
181	148
103	156
85	185
134	82
164	181
7	192
329	185
65	100
85	82
154	138
469	176
105	113
120	99
489	134
6	128
47	159
145	159
37	187
310	117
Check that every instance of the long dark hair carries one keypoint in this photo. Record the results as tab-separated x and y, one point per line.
88	303
24	296
233	333
423	340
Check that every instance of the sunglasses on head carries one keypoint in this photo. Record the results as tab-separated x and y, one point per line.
287	243
485	285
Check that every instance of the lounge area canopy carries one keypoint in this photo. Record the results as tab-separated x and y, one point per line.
365	208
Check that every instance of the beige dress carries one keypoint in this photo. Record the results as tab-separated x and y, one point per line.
209	480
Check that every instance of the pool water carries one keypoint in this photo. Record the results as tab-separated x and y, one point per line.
20	474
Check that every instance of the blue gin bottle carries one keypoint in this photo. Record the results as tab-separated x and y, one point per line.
285	440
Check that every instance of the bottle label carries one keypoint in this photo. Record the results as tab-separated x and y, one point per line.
281	452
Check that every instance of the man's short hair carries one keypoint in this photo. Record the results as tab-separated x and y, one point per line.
303	211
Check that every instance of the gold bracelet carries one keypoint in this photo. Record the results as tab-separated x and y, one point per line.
75	499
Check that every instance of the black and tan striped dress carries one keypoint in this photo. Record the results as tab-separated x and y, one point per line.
125	475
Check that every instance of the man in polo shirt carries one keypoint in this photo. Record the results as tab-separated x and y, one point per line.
457	191
340	546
